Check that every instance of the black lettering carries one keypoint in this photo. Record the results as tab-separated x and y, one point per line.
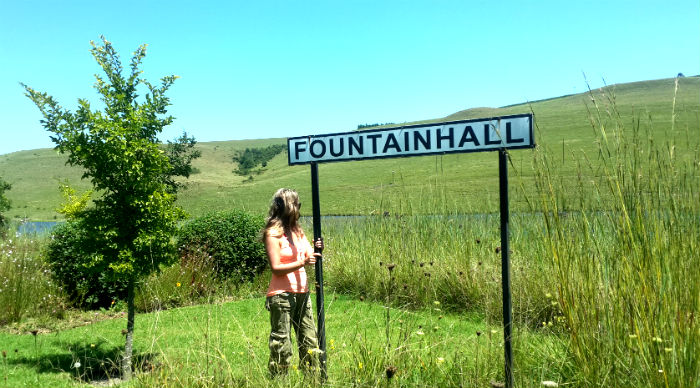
341	147
450	137
405	141
374	142
510	139
468	136
391	142
487	137
323	149
418	138
358	146
298	149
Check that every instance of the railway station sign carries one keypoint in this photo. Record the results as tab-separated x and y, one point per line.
487	134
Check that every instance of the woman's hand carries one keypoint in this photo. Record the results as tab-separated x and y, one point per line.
319	244
311	259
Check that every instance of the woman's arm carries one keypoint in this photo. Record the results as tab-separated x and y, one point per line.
272	247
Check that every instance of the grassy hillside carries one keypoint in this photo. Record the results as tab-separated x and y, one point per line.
464	182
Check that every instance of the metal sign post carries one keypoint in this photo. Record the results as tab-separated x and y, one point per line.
488	134
320	310
505	265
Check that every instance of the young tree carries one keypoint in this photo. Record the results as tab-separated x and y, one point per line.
4	204
132	223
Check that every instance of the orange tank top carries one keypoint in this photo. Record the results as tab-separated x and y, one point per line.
295	281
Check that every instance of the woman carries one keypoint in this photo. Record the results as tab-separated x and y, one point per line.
288	299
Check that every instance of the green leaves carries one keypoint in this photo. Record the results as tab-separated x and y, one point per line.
118	148
4	202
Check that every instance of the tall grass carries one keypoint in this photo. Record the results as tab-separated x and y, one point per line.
26	287
627	276
617	277
452	259
193	280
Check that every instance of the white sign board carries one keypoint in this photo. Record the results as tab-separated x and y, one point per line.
489	134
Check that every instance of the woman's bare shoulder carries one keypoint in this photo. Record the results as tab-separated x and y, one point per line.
275	233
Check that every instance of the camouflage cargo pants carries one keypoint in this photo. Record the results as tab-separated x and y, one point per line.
291	310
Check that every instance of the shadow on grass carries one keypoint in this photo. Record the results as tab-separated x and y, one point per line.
86	362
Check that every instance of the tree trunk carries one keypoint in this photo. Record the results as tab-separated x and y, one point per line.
128	347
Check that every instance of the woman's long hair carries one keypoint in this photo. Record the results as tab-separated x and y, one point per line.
283	213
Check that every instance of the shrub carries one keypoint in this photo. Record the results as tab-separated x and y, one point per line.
231	239
252	157
4	204
70	255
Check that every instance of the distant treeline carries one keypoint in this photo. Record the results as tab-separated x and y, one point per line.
362	126
251	158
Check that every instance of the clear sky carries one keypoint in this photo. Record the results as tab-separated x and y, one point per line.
280	68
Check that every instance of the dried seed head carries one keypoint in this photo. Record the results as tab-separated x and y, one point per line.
478	333
362	298
390	267
390	371
422	264
498	249
34	332
478	241
380	263
4	354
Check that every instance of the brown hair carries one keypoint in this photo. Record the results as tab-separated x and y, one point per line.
283	213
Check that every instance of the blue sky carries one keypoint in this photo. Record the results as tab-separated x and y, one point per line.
260	69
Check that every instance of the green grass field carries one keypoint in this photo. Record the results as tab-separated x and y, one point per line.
468	182
226	344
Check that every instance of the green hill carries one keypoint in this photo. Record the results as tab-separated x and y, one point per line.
461	182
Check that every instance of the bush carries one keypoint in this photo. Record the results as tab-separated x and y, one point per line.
70	255
252	157
231	239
